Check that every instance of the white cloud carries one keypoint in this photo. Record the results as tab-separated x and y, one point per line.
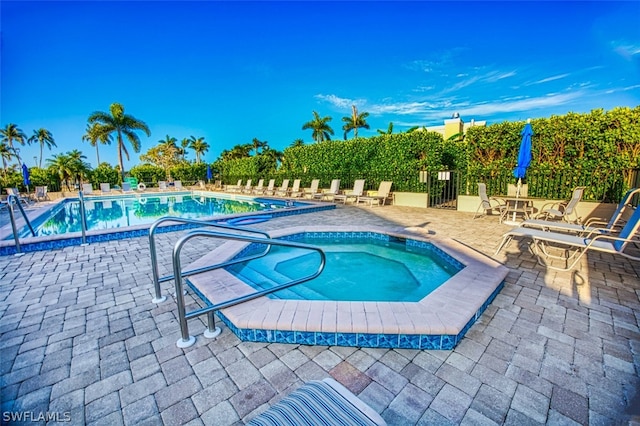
548	79
336	101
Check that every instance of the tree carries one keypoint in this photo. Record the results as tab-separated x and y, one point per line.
123	125
184	144
166	155
354	122
93	135
43	137
389	130
238	151
69	166
257	143
199	146
321	130
296	143
7	153
273	154
10	134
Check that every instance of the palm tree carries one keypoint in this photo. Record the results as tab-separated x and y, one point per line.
93	135
389	130
354	122
62	166
297	143
199	146
10	134
184	144
257	144
7	153
123	125
43	137
321	130
79	167
238	151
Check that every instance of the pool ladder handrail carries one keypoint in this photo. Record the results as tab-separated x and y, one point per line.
11	200
186	340
157	279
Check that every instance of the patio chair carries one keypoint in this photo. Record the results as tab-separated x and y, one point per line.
575	246
357	191
485	203
126	188
295	189
562	210
105	188
217	184
177	185
259	188
512	190
333	190
591	225
313	189
270	189
233	188
283	190
21	199
87	189
319	402
41	193
162	185
381	196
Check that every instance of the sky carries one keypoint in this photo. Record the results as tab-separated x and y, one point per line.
234	71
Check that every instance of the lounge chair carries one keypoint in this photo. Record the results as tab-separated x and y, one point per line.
41	193
357	191
312	191
21	199
105	188
319	402
295	189
589	226
217	184
247	187
177	185
574	246
126	188
270	189
381	196
162	185
283	190
333	191
87	189
563	210
259	188
485	203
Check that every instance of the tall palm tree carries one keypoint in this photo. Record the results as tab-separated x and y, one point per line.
296	143
321	130
274	154
257	144
354	122
199	146
10	134
43	137
389	130
184	144
116	121
7	153
61	164
79	167
238	151
93	135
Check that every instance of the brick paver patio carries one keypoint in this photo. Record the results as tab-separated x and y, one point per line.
80	340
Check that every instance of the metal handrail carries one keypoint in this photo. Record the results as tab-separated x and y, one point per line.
13	199
159	298
186	340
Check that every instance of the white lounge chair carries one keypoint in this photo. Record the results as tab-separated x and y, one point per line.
247	187
312	191
357	191
259	188
234	188
126	188
16	193
162	185
333	190
319	402
105	188
87	189
270	189
564	209
486	203
283	190
574	246
177	185
295	189
41	193
381	196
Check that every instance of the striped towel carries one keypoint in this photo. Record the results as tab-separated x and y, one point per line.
317	403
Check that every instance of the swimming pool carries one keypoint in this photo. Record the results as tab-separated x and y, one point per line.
369	268
438	320
131	215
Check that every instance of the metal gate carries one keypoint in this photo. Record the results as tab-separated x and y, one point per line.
443	188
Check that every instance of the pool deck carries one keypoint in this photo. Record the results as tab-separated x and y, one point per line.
81	339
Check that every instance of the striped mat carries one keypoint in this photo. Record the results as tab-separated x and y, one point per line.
313	404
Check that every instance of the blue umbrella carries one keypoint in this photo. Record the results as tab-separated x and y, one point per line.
209	174
25	176
524	155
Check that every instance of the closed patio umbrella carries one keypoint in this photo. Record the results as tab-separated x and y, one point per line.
25	177
524	158
209	174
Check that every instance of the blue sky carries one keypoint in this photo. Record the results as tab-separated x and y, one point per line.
234	71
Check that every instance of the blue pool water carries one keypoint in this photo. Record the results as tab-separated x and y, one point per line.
357	269
126	211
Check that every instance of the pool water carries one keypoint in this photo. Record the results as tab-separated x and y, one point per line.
355	270
125	211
